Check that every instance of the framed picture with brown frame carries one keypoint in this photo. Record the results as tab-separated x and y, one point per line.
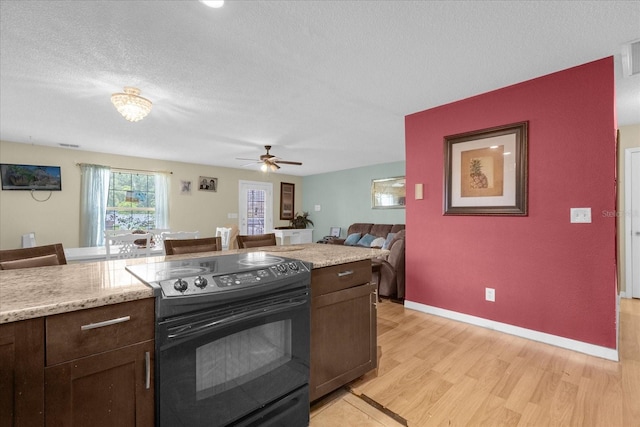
485	171
287	200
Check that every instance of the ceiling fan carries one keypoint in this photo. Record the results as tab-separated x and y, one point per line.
269	161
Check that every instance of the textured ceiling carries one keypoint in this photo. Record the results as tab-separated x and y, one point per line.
326	83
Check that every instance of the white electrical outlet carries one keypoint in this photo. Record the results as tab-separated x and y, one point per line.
490	294
581	215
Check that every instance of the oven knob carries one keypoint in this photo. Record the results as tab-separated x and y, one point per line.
293	266
181	285
200	282
282	268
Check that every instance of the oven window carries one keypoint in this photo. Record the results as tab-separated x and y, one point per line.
236	359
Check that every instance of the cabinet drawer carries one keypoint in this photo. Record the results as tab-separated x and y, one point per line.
330	279
95	330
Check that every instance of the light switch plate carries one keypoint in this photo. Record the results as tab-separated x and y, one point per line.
317	208
581	215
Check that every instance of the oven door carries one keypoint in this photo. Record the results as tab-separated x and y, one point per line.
217	367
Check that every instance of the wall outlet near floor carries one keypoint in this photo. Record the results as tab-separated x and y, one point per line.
490	294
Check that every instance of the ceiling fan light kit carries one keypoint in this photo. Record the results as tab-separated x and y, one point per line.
132	106
270	162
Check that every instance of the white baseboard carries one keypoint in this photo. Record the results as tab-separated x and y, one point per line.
582	347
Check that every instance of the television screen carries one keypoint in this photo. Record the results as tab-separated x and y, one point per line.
30	177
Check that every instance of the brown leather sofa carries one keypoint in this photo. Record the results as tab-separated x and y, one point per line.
378	230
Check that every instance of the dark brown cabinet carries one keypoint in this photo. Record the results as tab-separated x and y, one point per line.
22	374
343	326
99	366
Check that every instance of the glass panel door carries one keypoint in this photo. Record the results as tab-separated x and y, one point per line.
256	207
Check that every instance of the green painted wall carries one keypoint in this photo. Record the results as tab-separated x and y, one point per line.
344	197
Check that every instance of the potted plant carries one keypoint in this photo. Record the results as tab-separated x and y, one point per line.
301	221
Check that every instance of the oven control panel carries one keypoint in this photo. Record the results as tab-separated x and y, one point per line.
208	283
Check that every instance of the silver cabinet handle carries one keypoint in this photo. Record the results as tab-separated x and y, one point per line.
345	273
105	323
147	367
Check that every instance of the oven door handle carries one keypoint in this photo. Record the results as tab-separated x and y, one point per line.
190	330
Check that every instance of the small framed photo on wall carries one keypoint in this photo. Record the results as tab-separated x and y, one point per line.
207	183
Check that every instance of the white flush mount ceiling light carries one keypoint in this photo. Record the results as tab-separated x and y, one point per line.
132	106
213	3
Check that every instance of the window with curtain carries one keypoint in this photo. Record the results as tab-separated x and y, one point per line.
119	199
131	203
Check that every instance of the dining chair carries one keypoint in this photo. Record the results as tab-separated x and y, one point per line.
190	246
122	246
224	233
36	256
256	240
233	234
180	235
156	234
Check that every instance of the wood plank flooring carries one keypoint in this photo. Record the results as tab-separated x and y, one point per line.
438	372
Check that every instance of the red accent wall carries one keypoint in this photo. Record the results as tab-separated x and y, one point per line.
549	275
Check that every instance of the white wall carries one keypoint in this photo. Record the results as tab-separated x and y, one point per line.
57	220
344	197
629	138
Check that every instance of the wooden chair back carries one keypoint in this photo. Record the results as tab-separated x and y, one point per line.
256	240
190	246
37	256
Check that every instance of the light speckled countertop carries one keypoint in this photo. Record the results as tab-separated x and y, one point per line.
43	291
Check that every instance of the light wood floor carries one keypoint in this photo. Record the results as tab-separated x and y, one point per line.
434	371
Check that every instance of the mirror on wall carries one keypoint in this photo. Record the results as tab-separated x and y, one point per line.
388	193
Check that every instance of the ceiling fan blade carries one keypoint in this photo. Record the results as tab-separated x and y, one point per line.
253	160
284	162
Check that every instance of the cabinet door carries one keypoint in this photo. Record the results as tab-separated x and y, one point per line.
22	373
114	388
343	338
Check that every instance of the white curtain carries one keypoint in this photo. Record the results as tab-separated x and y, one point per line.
162	200
94	192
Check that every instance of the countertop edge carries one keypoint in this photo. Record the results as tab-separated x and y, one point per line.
317	255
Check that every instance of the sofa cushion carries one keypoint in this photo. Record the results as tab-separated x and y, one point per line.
377	242
396	228
380	230
387	240
352	239
366	240
359	227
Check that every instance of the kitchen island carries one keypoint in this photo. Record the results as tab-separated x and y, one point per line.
41	307
36	292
